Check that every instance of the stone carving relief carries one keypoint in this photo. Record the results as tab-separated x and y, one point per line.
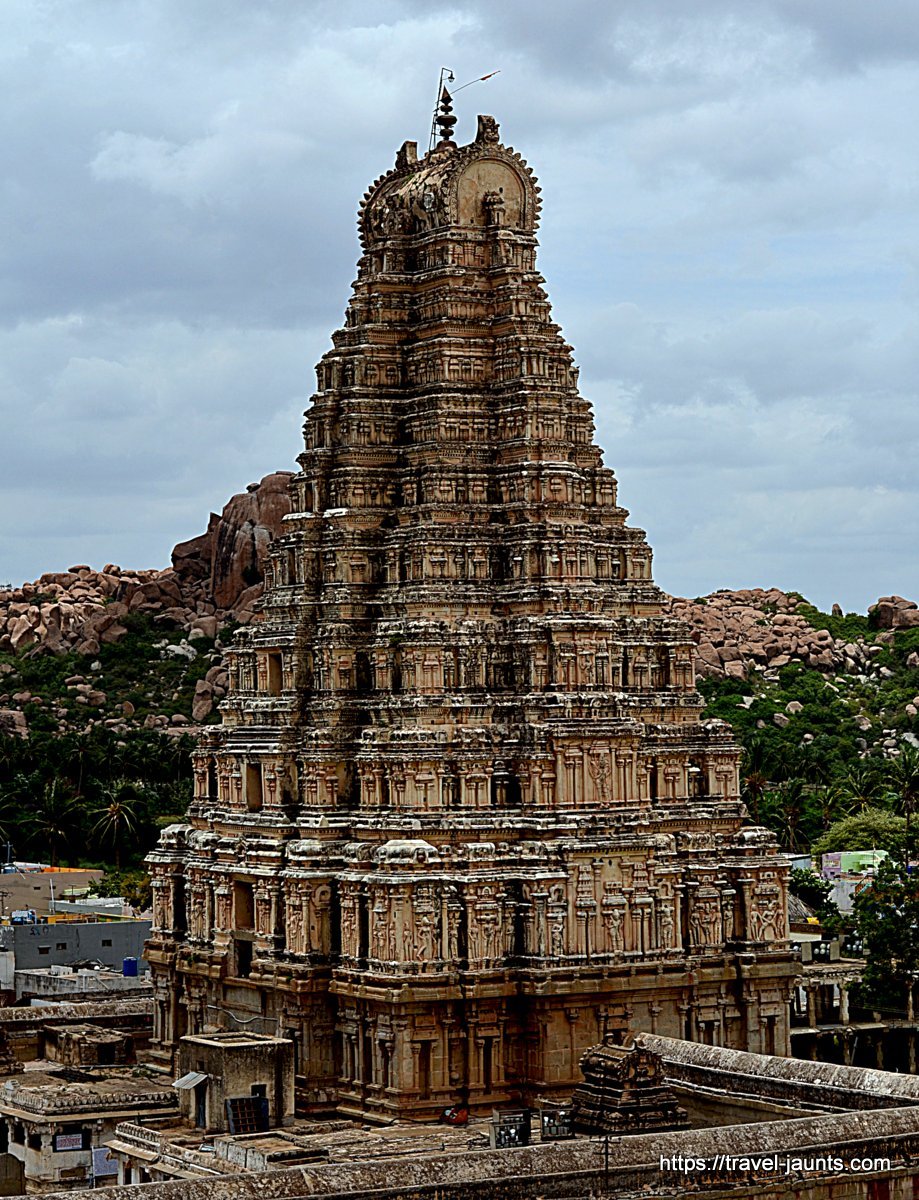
766	913
705	922
599	767
488	130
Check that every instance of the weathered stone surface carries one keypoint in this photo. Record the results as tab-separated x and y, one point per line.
624	1092
461	740
192	561
206	625
13	723
895	612
759	1158
230	557
22	633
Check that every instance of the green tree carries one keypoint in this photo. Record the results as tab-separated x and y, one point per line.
810	887
137	890
120	814
887	920
816	891
871	829
55	817
865	785
14	804
753	787
904	780
783	811
132	886
828	804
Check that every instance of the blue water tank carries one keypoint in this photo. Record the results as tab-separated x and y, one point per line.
129	968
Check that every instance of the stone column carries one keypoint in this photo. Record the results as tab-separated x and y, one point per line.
400	1057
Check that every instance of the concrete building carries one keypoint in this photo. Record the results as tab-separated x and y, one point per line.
78	984
40	890
41	944
238	1081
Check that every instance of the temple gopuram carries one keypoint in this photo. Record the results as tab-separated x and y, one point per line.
464	817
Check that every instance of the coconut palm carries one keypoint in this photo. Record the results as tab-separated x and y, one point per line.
830	803
13	804
119	815
904	780
865	785
54	816
784	810
753	787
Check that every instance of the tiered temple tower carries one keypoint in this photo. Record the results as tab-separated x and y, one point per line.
463	815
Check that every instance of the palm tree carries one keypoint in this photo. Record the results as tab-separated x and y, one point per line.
11	754
118	817
831	803
754	776
785	805
904	777
865	786
752	789
15	802
54	816
791	810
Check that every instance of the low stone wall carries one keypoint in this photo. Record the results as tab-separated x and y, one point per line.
707	1107
22	1029
787	1082
95	1012
575	1170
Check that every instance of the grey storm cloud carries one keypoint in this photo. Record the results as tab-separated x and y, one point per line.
730	239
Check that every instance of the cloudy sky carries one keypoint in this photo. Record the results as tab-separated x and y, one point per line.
730	238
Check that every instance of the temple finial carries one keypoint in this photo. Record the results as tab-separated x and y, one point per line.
445	118
443	97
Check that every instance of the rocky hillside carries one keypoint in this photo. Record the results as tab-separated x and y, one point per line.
808	693
745	632
122	648
213	577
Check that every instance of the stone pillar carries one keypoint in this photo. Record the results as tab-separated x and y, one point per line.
413	1073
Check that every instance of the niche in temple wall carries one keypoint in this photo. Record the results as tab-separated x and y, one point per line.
489	176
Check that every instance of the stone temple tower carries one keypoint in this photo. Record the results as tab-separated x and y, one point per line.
464	815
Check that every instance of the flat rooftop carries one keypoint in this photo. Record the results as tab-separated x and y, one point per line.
235	1038
63	1091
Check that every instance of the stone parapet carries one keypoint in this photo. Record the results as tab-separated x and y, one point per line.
625	1167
